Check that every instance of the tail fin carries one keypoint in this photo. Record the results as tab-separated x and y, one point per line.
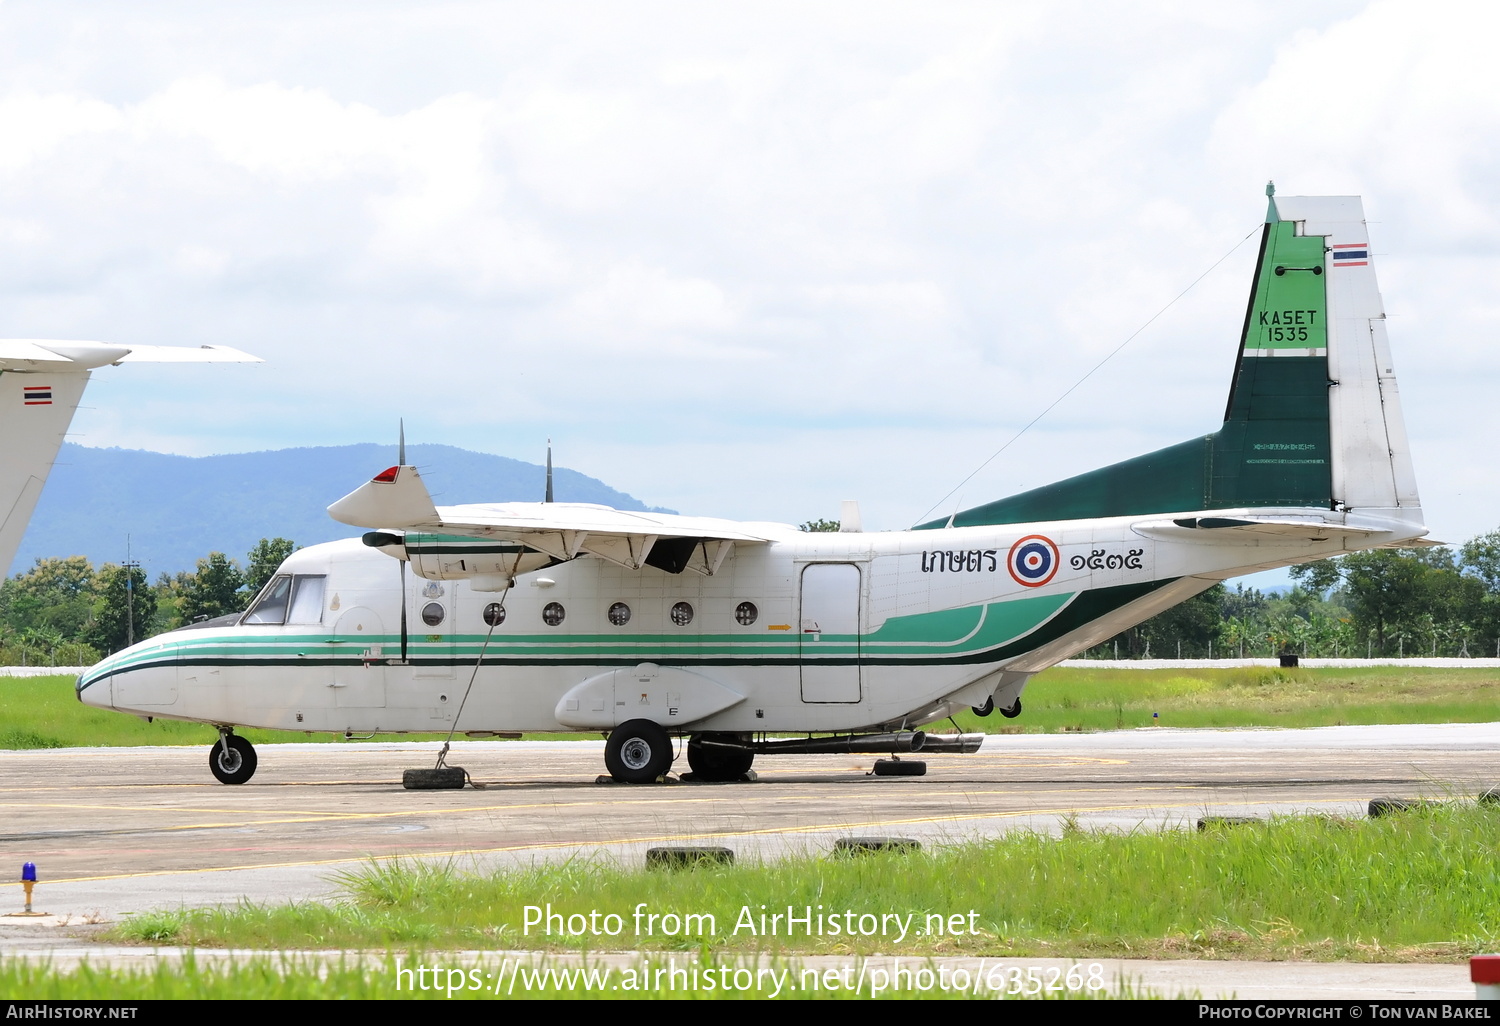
35	410
41	382
1313	419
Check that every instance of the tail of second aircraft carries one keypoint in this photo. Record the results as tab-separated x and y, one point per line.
41	382
1313	418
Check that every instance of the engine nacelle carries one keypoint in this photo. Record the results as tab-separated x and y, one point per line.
488	565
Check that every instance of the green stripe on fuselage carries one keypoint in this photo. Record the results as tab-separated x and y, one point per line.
971	634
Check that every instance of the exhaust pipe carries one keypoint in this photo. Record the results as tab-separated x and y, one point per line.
900	742
956	744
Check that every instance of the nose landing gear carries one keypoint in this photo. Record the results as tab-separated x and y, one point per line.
232	758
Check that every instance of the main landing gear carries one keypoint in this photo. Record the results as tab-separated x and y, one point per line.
232	758
712	763
638	752
1010	712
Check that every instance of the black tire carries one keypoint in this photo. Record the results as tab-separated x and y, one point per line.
900	768
449	778
717	764
233	765
638	752
1011	712
985	709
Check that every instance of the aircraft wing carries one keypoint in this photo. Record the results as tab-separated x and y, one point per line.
22	354
398	499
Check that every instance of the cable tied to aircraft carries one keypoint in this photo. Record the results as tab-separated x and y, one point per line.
1071	388
493	622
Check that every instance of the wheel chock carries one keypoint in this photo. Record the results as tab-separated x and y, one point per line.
444	778
870	845
900	768
688	858
1216	822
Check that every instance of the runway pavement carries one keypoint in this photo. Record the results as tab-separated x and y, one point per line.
116	831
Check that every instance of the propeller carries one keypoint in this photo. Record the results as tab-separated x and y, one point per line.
401	461
548	497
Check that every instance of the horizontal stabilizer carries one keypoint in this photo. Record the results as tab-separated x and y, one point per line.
182	354
51	355
1250	526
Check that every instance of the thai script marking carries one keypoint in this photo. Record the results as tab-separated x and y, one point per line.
967	561
1100	560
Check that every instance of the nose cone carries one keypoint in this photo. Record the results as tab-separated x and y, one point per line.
93	683
141	679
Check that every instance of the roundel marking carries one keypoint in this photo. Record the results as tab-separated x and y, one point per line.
1033	560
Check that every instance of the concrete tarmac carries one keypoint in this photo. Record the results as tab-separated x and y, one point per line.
121	830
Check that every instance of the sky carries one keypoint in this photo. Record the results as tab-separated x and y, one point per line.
740	260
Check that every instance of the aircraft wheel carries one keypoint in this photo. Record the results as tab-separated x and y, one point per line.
1013	711
985	709
234	764
716	764
638	752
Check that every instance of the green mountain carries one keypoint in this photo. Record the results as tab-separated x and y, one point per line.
174	510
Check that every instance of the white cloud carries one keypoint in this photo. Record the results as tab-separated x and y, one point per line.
726	238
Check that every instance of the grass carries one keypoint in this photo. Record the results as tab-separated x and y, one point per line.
43	712
1419	886
1083	699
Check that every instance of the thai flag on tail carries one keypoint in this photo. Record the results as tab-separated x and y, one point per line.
1351	254
37	395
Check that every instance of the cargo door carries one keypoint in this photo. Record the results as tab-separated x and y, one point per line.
829	638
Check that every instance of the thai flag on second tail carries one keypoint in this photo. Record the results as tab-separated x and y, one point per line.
37	395
1351	254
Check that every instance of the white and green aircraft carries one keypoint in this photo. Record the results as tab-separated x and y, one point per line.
41	381
757	638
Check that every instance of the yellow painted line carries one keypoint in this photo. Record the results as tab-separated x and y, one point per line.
662	839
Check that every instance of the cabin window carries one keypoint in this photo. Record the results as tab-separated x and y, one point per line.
619	614
745	613
682	614
494	614
433	613
270	607
553	613
307	599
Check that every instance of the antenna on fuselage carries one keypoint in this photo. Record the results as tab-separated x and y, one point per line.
549	472
401	442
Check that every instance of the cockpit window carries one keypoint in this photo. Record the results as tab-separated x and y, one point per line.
271	606
288	599
307	599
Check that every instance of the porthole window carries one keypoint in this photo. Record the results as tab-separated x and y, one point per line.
745	613
433	613
619	614
494	614
553	613
682	614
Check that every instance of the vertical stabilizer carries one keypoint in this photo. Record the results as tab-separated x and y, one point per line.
1372	467
1313	419
35	410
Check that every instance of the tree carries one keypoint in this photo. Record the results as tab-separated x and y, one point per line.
820	525
268	554
1398	595
125	609
214	590
55	594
